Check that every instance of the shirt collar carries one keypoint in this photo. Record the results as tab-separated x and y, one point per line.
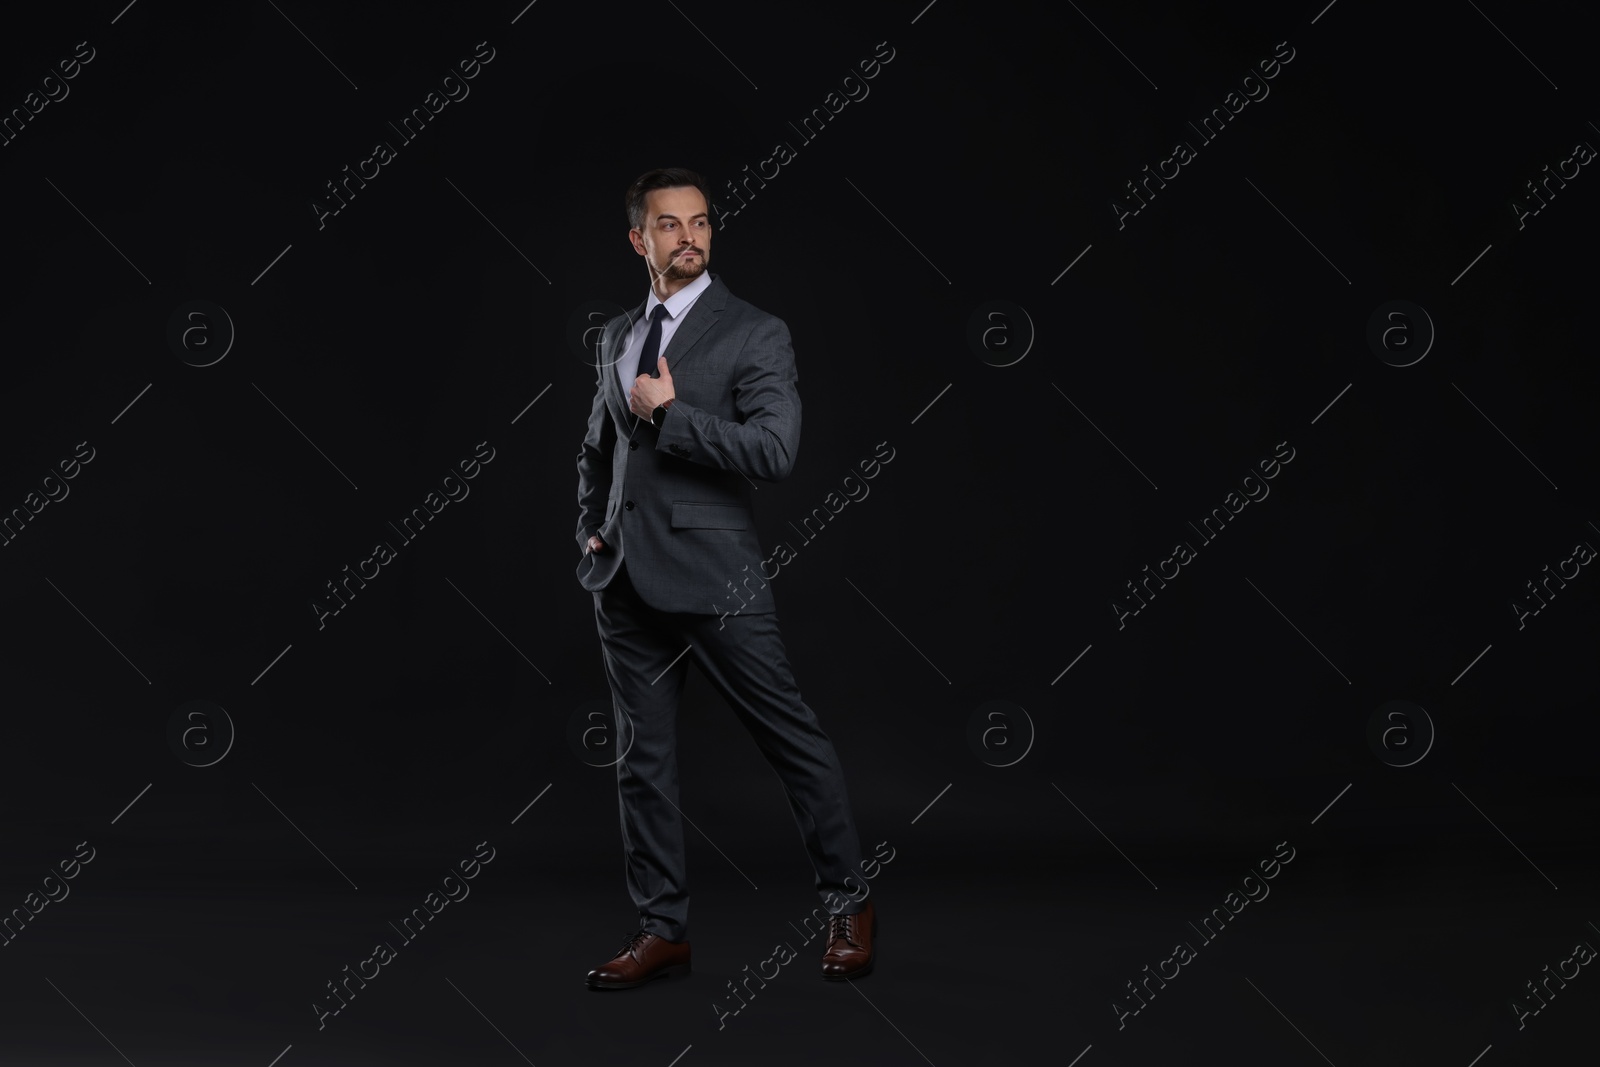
679	301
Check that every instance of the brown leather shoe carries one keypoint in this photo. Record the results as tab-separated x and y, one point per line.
643	957
849	953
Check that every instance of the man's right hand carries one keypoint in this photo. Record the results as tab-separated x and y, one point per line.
595	544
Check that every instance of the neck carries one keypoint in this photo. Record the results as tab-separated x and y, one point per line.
664	287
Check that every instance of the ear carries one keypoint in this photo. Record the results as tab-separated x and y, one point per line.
637	241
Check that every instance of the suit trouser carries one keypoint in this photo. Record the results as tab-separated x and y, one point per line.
743	658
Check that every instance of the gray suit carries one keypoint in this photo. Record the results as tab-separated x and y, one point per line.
681	567
676	501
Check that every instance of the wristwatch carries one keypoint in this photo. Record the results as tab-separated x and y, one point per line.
659	415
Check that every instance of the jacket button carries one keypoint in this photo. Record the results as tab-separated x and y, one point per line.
632	445
628	506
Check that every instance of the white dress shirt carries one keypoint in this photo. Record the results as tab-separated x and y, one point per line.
678	305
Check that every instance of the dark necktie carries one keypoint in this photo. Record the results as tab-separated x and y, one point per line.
652	343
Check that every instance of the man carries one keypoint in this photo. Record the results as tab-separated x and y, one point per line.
696	397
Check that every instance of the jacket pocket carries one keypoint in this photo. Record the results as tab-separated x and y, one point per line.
694	514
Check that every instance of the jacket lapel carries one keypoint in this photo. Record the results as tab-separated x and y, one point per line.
618	342
701	318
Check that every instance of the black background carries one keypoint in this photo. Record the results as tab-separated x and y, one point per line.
1230	714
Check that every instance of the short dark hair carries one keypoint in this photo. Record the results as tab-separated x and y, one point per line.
663	178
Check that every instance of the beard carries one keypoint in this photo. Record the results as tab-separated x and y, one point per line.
678	270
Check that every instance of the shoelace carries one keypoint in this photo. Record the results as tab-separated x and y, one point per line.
633	940
842	926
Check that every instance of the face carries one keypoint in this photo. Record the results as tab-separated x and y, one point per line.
676	238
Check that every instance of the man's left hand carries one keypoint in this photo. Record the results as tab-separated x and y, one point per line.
649	393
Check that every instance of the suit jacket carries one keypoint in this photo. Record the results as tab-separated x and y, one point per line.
676	501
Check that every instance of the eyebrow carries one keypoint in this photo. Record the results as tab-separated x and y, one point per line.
675	218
